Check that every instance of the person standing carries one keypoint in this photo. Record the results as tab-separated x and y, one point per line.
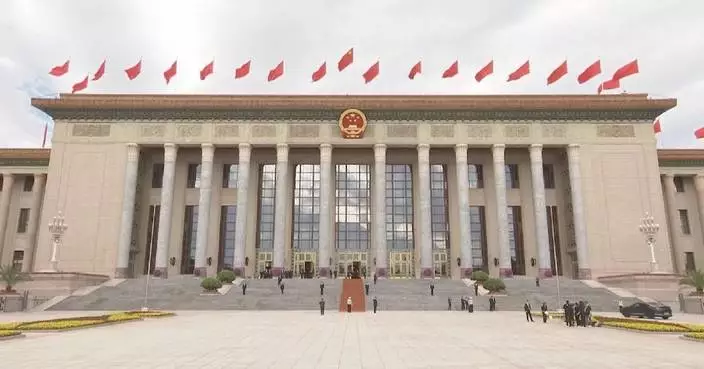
588	314
281	286
544	310
577	315
476	288
449	304
537	281
432	288
244	287
529	315
464	303
322	306
322	288
375	304
366	288
349	304
470	304
566	309
620	306
375	278
279	279
492	303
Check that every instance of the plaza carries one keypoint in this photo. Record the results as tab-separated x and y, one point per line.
305	340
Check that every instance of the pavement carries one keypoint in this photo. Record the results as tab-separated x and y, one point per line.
306	340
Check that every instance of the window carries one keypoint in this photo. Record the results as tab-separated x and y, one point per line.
689	265
477	231
515	240
188	247
679	183
684	221
352	206
17	259
438	207
476	176
2	183
152	236
157	175
549	176
554	240
306	207
267	199
399	207
193	176
28	184
228	218
23	220
511	175
229	175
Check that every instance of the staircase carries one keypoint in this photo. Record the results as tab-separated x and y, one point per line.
353	288
414	294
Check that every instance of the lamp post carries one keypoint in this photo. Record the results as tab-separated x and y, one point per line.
650	229
57	228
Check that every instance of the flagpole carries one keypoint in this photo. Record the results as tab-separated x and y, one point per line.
46	127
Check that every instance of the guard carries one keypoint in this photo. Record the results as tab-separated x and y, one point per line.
375	303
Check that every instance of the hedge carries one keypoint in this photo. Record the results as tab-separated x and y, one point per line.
80	322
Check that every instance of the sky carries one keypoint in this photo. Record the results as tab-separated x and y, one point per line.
667	38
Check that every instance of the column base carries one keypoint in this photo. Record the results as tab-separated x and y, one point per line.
466	272
324	272
585	273
122	273
277	271
427	272
200	272
239	271
505	272
161	272
381	272
544	273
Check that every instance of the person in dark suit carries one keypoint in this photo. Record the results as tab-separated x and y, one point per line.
366	288
449	304
375	304
322	288
375	278
544	310
566	308
476	288
529	315
281	287
244	287
470	304
492	303
322	306
432	289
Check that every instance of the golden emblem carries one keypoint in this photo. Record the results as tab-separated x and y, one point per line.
352	123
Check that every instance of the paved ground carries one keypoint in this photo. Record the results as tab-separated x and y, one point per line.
387	340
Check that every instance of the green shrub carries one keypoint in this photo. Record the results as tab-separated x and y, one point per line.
210	284
480	276
494	285
226	276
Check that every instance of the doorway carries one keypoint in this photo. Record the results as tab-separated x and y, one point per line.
304	264
352	264
402	265
441	264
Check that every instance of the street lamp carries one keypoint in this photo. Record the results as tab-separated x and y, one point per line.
57	228
650	229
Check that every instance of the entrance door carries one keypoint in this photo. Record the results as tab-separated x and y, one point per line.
402	265
304	264
352	264
264	261
440	264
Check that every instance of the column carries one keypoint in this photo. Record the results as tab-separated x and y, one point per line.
580	231
206	191
501	210
245	152
426	234
33	227
280	208
167	197
699	187
541	220
8	181
325	230
128	198
463	194
379	204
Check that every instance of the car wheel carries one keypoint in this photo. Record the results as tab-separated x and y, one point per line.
666	317
650	316
627	315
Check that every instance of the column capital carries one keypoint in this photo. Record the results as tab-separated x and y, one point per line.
379	152
498	146
573	146
668	175
461	147
244	146
461	153
325	150
423	147
281	152
698	176
132	152
170	150
207	152
536	146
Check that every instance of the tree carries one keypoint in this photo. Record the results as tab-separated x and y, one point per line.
694	278
12	275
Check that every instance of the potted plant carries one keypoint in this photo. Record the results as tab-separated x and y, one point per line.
11	275
494	285
695	278
480	276
226	276
210	284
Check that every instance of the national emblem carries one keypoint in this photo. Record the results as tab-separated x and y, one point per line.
352	123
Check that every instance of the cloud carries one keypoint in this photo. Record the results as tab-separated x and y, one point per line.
35	35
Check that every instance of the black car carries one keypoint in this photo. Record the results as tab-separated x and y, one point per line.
649	310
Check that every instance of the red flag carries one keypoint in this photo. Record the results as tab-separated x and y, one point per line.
99	74
171	72
276	72
609	85
59	70
346	60
46	128
134	71
484	72
656	126
243	70
589	73
414	71
371	73
207	70
699	134
626	70
80	86
452	70
558	73
320	73
519	73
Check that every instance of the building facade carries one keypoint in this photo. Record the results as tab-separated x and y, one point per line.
400	186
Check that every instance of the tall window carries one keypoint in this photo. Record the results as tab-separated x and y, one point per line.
226	256
476	176
23	220
399	207
193	176
17	259
267	197
679	183
689	265
511	176
515	240
28	184
477	231
438	207
229	175
306	207
188	247
352	197
152	236
157	175
549	176
554	240
684	221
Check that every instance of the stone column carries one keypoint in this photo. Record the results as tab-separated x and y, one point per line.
206	192
8	181
379	205
245	152
35	216
128	199
280	208
165	213
501	210
426	234
324	229
463	193
541	220
580	230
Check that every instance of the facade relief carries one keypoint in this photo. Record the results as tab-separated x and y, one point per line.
90	130
189	130
479	130
304	131
554	131
402	130
263	130
615	130
227	130
152	130
517	131
442	130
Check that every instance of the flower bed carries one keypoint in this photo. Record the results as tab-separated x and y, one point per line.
646	326
699	336
5	334
81	322
151	314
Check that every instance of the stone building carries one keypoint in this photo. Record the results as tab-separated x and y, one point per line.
401	186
